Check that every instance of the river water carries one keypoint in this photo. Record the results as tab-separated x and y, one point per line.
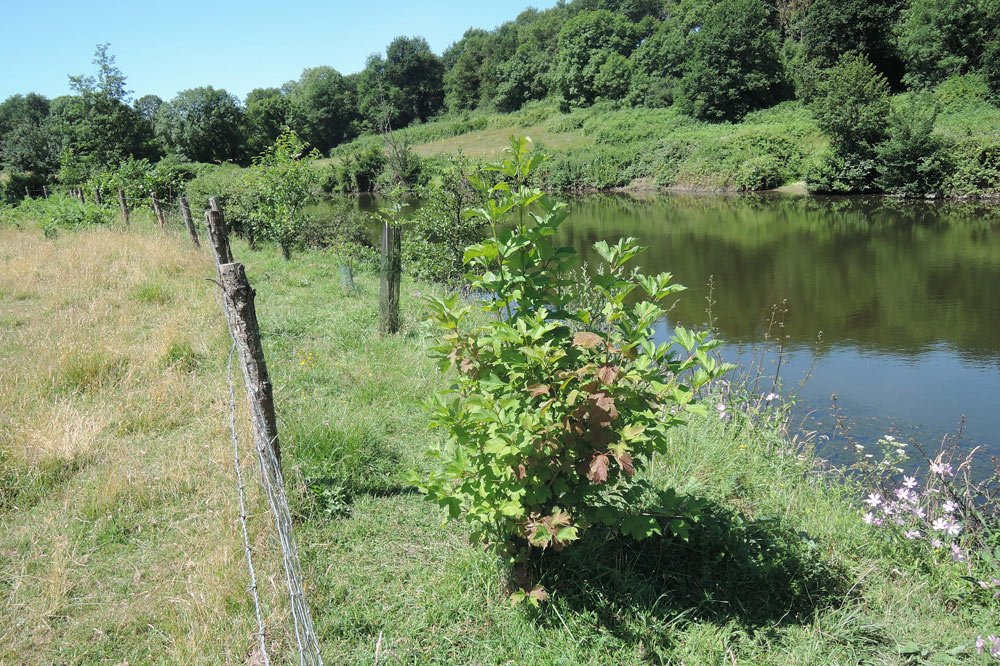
894	306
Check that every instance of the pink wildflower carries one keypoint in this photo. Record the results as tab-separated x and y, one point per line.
873	500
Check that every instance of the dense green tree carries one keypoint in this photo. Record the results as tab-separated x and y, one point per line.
586	42
31	148
203	124
521	65
941	38
658	62
410	79
147	106
321	107
734	66
464	62
830	28
17	109
853	105
266	113
98	126
634	10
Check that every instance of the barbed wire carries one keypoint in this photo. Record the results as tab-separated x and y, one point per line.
273	483
243	510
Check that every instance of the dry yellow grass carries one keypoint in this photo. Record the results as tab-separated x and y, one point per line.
119	541
490	143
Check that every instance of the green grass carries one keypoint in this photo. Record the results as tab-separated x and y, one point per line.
120	544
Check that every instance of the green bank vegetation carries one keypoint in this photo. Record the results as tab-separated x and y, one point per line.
735	95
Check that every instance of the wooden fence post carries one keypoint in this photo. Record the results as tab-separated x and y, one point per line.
45	191
79	195
97	196
389	278
219	236
124	204
239	300
27	192
159	212
189	222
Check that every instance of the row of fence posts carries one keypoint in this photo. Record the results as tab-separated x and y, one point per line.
390	274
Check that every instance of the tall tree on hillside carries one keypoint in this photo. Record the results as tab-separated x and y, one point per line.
464	61
203	124
321	107
98	126
17	109
734	66
522	63
410	78
588	43
266	112
941	38
147	106
831	28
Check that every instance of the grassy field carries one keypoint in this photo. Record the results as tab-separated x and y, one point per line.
119	541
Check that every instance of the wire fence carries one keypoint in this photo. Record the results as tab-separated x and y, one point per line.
273	485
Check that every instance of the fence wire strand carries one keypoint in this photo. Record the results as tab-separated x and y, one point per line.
274	489
243	510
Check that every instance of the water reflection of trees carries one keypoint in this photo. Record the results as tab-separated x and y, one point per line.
876	272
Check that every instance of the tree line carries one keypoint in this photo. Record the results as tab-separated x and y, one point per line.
712	59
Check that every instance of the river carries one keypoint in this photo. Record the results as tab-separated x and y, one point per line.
894	305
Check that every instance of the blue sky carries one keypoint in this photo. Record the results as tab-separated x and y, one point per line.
166	47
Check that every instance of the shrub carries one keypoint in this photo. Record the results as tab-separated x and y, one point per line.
61	211
438	232
913	160
552	414
764	172
12	186
836	173
852	105
222	180
959	92
275	190
976	166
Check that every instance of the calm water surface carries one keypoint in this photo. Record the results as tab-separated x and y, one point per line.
894	305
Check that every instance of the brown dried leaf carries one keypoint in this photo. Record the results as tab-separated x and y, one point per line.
587	340
538	389
598	472
538	593
520	472
625	460
608	373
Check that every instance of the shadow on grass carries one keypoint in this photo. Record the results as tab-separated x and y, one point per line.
757	572
336	463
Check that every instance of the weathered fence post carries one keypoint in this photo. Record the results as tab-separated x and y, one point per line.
241	317
219	236
97	196
45	191
79	195
239	297
189	222
389	278
124	204
159	212
27	192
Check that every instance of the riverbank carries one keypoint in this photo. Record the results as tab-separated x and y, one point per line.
609	147
119	539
